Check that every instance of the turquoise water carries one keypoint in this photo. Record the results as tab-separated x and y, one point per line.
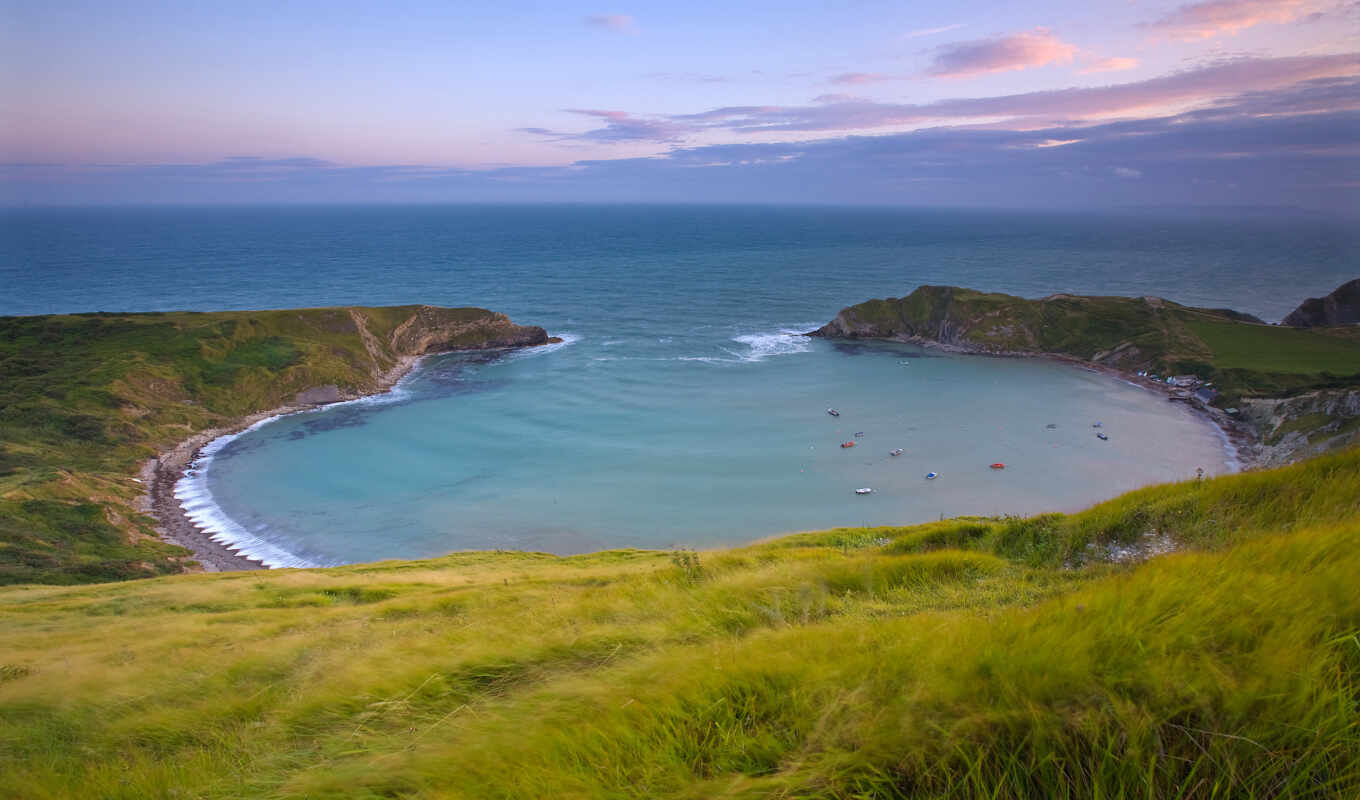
585	447
681	410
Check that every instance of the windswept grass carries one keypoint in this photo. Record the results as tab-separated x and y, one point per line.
1002	658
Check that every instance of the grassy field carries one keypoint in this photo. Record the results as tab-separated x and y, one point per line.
1000	658
1269	348
85	398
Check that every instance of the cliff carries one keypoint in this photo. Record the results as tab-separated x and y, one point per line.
1341	307
85	398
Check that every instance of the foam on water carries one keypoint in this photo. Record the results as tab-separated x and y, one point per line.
761	346
197	501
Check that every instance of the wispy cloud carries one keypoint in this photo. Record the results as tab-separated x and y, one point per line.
1114	64
857	78
916	34
621	23
619	126
1289	145
1024	50
1076	105
1219	17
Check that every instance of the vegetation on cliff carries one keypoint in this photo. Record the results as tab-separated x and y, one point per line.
1243	357
1003	658
85	398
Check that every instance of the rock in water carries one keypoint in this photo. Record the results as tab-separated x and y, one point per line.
1341	307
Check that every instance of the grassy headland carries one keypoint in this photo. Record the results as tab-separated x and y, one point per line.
85	398
1244	358
1004	658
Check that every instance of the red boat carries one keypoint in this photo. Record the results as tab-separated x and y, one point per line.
847	444
998	465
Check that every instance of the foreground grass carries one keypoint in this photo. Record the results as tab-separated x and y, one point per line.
970	657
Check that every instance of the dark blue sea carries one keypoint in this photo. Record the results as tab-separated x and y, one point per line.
682	407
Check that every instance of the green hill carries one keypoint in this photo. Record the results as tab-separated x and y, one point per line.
84	399
1242	356
999	658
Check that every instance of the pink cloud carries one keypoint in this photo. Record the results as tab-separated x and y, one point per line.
1024	50
1200	87
856	78
1109	65
622	23
1218	17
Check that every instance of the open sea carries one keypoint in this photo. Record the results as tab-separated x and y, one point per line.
682	408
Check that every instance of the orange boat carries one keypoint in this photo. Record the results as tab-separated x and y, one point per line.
847	444
998	465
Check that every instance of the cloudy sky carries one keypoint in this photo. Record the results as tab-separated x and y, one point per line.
1050	103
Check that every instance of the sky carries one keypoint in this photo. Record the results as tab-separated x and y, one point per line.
1050	103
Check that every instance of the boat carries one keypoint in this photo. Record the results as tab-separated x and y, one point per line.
998	465
930	476
896	452
1102	437
847	444
865	490
1051	426
833	412
1098	425
858	434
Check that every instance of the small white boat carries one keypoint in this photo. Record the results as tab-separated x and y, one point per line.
896	452
930	476
1102	437
858	434
1098	425
865	490
833	412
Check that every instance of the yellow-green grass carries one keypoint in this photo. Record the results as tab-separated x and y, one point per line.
1267	348
973	657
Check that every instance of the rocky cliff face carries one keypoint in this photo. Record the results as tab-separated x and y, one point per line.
437	330
1341	307
1303	426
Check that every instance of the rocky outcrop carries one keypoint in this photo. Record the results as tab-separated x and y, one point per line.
1298	427
437	330
1341	307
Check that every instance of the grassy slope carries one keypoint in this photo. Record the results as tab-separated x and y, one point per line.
85	398
1243	358
1004	658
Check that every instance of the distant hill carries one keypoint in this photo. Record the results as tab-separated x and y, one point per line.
1341	307
1238	352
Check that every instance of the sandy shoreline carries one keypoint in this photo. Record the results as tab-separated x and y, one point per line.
160	475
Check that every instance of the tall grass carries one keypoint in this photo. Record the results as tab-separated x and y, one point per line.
972	657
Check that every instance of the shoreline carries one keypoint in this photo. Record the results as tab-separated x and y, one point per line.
161	474
1240	442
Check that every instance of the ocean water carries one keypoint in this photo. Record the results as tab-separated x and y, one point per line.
682	407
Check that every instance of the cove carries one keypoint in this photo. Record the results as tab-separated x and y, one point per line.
701	437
